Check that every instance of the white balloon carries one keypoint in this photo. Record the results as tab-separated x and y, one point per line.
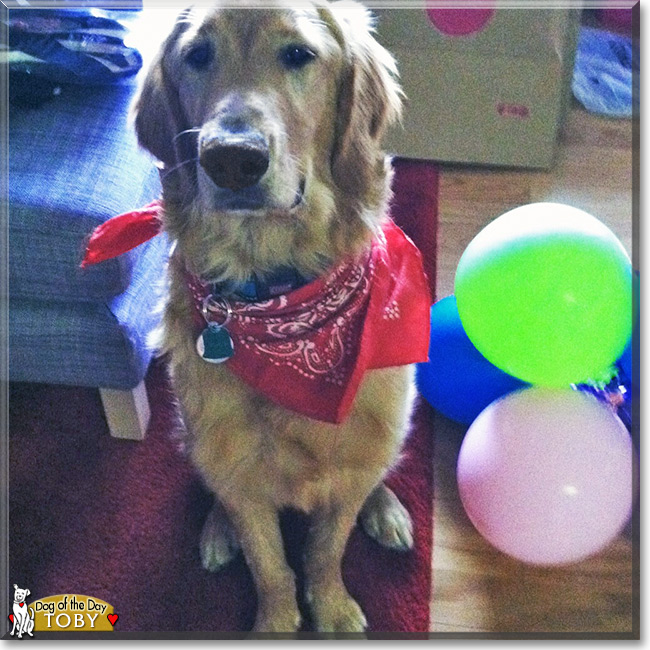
546	475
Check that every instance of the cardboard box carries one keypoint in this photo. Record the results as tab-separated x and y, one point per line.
483	86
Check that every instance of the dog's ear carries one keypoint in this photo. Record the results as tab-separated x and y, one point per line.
27	593
15	586
369	97
158	113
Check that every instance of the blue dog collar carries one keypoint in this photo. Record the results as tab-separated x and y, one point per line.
257	289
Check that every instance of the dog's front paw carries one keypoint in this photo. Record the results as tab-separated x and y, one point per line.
386	520
279	619
335	611
219	543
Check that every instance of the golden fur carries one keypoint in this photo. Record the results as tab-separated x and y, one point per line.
324	123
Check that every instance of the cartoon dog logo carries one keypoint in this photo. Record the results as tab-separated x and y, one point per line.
23	616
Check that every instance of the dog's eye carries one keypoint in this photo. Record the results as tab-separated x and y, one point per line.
296	56
199	56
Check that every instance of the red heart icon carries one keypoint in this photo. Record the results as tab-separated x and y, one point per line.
11	618
22	604
113	618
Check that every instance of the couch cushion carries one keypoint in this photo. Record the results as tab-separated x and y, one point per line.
73	163
90	344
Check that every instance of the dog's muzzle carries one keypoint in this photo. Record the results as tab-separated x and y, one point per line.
234	161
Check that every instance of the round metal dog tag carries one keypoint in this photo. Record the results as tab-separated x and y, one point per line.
215	344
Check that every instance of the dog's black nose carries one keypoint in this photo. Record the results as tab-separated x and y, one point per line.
235	163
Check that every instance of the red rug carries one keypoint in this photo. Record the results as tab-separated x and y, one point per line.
120	520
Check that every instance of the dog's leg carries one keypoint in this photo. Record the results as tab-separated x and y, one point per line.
386	520
219	543
258	528
333	608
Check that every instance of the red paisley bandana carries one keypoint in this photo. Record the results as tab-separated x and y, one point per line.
120	234
309	349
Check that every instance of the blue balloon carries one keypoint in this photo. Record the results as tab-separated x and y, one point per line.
458	381
625	362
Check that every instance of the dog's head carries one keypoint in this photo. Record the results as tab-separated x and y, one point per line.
20	594
268	122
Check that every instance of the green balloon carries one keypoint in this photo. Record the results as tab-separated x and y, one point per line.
544	292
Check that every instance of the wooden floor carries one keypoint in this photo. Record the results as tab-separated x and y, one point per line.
476	588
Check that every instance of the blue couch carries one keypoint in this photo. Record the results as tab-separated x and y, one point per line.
73	163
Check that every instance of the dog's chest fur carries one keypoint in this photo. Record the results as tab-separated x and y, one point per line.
243	444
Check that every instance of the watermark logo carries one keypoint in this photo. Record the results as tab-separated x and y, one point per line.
60	613
22	616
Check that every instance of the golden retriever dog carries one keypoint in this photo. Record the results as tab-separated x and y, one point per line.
267	122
